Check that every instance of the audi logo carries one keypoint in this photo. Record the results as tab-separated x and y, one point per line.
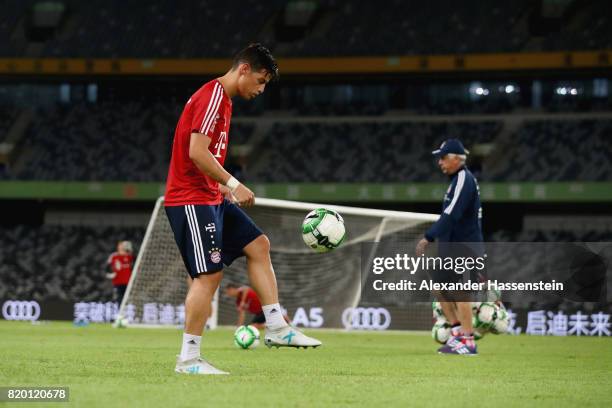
369	318
21	310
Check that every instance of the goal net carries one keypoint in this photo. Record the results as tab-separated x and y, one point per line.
317	290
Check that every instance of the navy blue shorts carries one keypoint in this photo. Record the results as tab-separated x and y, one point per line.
209	236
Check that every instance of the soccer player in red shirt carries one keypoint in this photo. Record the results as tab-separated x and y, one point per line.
246	299
203	201
120	264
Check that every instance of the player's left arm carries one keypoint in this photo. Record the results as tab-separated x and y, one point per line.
227	193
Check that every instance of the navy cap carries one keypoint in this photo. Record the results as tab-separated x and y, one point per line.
451	146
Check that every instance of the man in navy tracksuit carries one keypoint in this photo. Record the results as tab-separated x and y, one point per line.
460	222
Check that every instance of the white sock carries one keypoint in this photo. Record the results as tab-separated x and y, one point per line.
456	331
274	316
191	347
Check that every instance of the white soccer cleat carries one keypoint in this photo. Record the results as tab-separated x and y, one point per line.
196	366
289	337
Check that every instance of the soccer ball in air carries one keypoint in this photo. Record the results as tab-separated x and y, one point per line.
323	230
246	337
441	331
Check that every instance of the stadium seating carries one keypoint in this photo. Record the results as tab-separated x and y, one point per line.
562	150
340	109
158	29
104	142
456	106
117	141
98	142
8	114
12	12
161	29
591	29
59	262
351	152
550	236
358	33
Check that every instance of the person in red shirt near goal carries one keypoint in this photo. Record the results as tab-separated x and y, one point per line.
246	300
120	264
202	202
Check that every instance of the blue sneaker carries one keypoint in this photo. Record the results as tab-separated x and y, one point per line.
452	342
462	345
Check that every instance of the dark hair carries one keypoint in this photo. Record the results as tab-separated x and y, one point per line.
258	57
231	285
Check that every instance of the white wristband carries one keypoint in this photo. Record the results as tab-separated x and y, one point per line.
232	184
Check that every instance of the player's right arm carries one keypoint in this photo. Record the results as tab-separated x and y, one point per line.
241	307
240	318
243	296
207	164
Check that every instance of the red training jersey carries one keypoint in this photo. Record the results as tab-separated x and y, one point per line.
121	265
251	303
208	111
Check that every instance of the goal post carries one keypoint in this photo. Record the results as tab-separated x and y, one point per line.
156	291
315	289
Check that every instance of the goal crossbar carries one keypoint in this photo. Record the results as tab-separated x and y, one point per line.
367	212
390	222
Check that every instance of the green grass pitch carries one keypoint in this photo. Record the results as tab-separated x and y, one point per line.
106	367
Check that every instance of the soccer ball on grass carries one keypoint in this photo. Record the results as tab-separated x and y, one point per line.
246	337
441	331
120	322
